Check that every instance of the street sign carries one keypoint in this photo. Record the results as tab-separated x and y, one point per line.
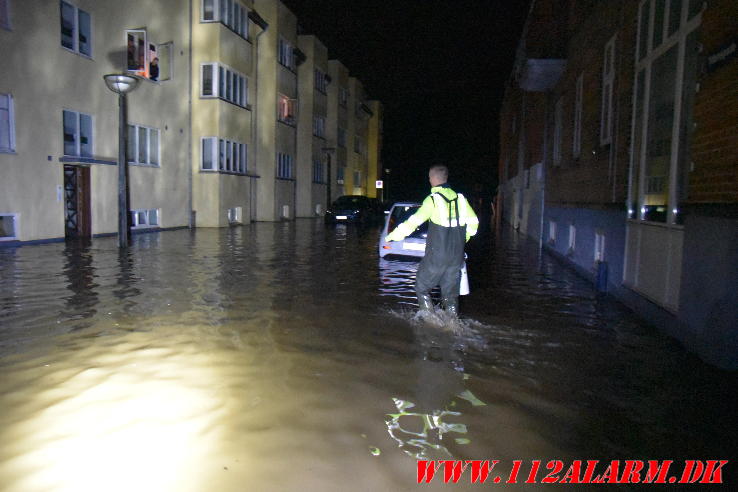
379	184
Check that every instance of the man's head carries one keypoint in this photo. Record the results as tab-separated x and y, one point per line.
438	175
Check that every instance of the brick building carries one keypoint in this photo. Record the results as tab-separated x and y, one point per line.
618	153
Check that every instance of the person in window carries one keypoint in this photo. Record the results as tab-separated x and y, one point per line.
452	223
154	70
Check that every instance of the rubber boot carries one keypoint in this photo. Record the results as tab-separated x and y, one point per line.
451	305
425	303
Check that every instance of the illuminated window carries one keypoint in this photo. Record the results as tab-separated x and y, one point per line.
599	251
5	14
7	124
217	80
287	110
143	145
572	238
284	166
608	78
230	13
552	229
77	134
223	155
76	29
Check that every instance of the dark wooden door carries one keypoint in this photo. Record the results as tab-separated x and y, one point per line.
77	213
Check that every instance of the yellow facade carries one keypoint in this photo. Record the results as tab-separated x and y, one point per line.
177	176
374	149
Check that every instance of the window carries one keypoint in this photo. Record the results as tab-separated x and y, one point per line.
666	76
608	77
76	29
287	110
77	134
358	144
572	237
286	54
576	149
220	81
223	155
143	145
340	174
5	14
235	215
8	227
558	130
552	227
319	126
145	218
343	96
321	81
599	251
230	13
318	170
147	59
284	166
341	137
357	179
7	124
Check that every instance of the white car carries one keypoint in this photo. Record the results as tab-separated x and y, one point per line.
412	245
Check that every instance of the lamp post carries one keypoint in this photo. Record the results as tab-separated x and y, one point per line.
122	85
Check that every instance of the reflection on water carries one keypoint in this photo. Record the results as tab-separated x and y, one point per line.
286	357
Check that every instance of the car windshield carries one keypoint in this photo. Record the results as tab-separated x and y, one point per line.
349	202
400	214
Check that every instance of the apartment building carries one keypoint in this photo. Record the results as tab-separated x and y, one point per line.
59	121
312	147
230	121
337	129
618	137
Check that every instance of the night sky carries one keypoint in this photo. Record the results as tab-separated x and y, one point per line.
439	68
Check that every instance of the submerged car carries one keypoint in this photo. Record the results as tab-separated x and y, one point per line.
412	245
353	208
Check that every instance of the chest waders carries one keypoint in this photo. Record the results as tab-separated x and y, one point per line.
444	257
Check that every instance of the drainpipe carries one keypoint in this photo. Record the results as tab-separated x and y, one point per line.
189	117
259	21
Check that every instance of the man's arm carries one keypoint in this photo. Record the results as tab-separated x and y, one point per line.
406	228
472	222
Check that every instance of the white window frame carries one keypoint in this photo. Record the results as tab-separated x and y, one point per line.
286	54
321	83
646	55
226	156
8	114
319	126
235	215
599	247
576	144
75	30
558	131
149	131
227	84
608	81
552	230
78	139
285	166
146	214
572	238
231	13
16	227
5	14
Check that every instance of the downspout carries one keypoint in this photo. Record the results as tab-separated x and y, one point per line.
190	176
253	16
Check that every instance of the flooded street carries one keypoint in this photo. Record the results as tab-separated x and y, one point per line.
286	356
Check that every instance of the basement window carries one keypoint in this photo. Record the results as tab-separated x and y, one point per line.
8	227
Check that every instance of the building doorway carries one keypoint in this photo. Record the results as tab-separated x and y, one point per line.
77	216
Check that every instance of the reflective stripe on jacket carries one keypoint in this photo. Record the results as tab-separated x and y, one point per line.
441	212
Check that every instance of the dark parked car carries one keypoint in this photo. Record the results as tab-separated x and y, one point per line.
354	208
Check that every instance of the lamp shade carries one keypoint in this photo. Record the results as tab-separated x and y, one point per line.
120	84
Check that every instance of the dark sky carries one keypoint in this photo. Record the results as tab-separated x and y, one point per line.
439	68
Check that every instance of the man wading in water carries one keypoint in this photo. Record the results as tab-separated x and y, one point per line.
452	223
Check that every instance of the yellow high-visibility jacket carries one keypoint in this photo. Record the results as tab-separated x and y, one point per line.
439	211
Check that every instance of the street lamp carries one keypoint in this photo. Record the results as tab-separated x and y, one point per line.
122	85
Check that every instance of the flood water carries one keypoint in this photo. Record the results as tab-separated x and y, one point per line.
281	357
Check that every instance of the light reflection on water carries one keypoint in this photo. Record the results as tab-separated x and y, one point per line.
286	357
